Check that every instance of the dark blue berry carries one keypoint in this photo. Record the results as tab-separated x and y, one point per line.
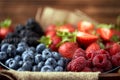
21	69
31	49
40	65
8	61
20	63
58	68
28	57
60	62
13	64
11	50
51	61
4	47
40	48
35	68
20	50
22	44
46	53
38	58
56	55
47	68
3	56
17	58
27	66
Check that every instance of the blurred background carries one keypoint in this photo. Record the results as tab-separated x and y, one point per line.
104	11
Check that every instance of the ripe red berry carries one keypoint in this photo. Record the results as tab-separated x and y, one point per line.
77	64
100	60
79	52
116	59
108	66
87	69
96	69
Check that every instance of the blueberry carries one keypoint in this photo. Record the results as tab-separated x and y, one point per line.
11	51
38	58
22	44
8	61
21	69
29	52
28	57
56	55
20	50
60	62
40	48
13	64
20	63
3	56
46	53
47	68
17	58
58	68
27	66
40	65
35	68
32	49
4	47
51	61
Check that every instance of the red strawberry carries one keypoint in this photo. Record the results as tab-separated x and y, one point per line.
50	28
85	26
76	64
67	49
66	28
105	33
55	40
86	39
92	47
51	33
115	48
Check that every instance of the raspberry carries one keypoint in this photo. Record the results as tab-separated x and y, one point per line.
116	59
108	66
76	64
79	52
100	60
90	55
102	51
87	69
96	69
89	63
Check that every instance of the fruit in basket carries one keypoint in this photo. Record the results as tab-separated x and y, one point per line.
5	28
85	26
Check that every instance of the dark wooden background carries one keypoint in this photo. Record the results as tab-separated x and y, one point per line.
105	11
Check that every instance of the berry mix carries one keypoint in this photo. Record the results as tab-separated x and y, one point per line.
64	47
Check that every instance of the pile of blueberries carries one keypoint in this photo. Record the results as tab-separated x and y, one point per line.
21	51
25	58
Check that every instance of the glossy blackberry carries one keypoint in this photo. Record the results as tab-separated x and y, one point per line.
34	26
19	28
28	33
12	35
31	41
14	41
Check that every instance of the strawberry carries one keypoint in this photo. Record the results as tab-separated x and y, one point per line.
92	47
115	48
67	49
66	28
55	41
105	33
50	28
51	33
85	38
85	26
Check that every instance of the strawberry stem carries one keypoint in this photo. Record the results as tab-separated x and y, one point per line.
6	23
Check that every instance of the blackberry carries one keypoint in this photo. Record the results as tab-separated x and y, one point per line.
31	41
12	35
14	41
28	33
19	28
34	26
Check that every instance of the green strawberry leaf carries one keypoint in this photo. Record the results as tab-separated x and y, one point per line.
102	46
115	38
6	23
45	40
